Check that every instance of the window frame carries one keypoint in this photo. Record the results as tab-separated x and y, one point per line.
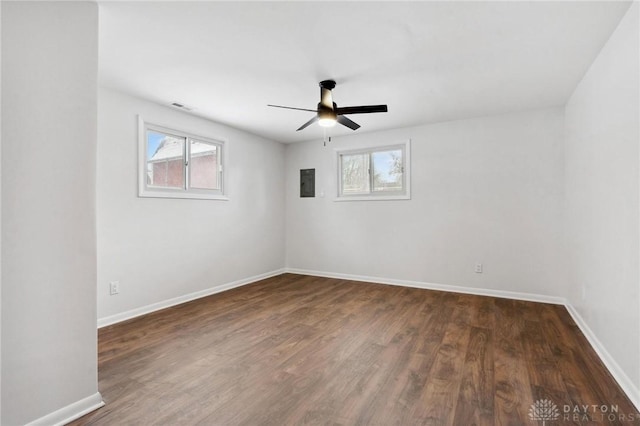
404	194
147	191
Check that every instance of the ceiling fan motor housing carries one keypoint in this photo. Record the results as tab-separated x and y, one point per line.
327	112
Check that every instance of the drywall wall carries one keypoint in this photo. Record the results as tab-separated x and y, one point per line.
49	126
162	249
0	213
601	157
484	190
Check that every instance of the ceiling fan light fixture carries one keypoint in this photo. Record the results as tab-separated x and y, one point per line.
327	122
327	118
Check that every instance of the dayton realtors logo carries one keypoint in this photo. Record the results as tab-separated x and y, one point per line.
545	410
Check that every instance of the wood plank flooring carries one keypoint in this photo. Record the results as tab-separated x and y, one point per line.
294	350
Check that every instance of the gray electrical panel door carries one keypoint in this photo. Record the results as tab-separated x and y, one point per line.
307	182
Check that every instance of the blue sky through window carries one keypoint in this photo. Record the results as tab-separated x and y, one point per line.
383	164
153	141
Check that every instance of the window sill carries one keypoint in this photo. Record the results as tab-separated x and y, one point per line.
373	198
182	195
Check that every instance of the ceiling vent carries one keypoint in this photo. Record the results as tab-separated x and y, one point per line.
181	106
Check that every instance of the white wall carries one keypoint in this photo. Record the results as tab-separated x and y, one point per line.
484	190
602	214
160	249
49	115
0	212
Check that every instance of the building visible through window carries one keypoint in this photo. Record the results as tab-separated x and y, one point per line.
177	165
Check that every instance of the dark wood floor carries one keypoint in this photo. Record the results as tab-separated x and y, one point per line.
305	350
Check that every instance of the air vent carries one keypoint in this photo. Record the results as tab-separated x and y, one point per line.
181	106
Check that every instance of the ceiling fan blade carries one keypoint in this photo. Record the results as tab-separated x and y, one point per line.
364	109
286	107
346	122
308	123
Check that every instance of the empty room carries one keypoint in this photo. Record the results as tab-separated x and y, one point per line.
323	213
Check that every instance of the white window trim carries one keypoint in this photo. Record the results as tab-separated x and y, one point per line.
191	193
406	195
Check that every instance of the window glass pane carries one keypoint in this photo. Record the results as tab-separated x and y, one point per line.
165	160
203	165
387	170
355	173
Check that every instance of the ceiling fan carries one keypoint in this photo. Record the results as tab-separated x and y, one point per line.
328	113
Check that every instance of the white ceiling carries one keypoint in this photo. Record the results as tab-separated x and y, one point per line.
429	61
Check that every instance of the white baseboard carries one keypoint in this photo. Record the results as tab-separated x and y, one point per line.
71	412
529	297
123	316
618	374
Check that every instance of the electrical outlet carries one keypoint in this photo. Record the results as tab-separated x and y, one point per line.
478	269
114	287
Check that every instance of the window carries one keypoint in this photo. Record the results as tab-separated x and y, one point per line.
175	164
380	173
